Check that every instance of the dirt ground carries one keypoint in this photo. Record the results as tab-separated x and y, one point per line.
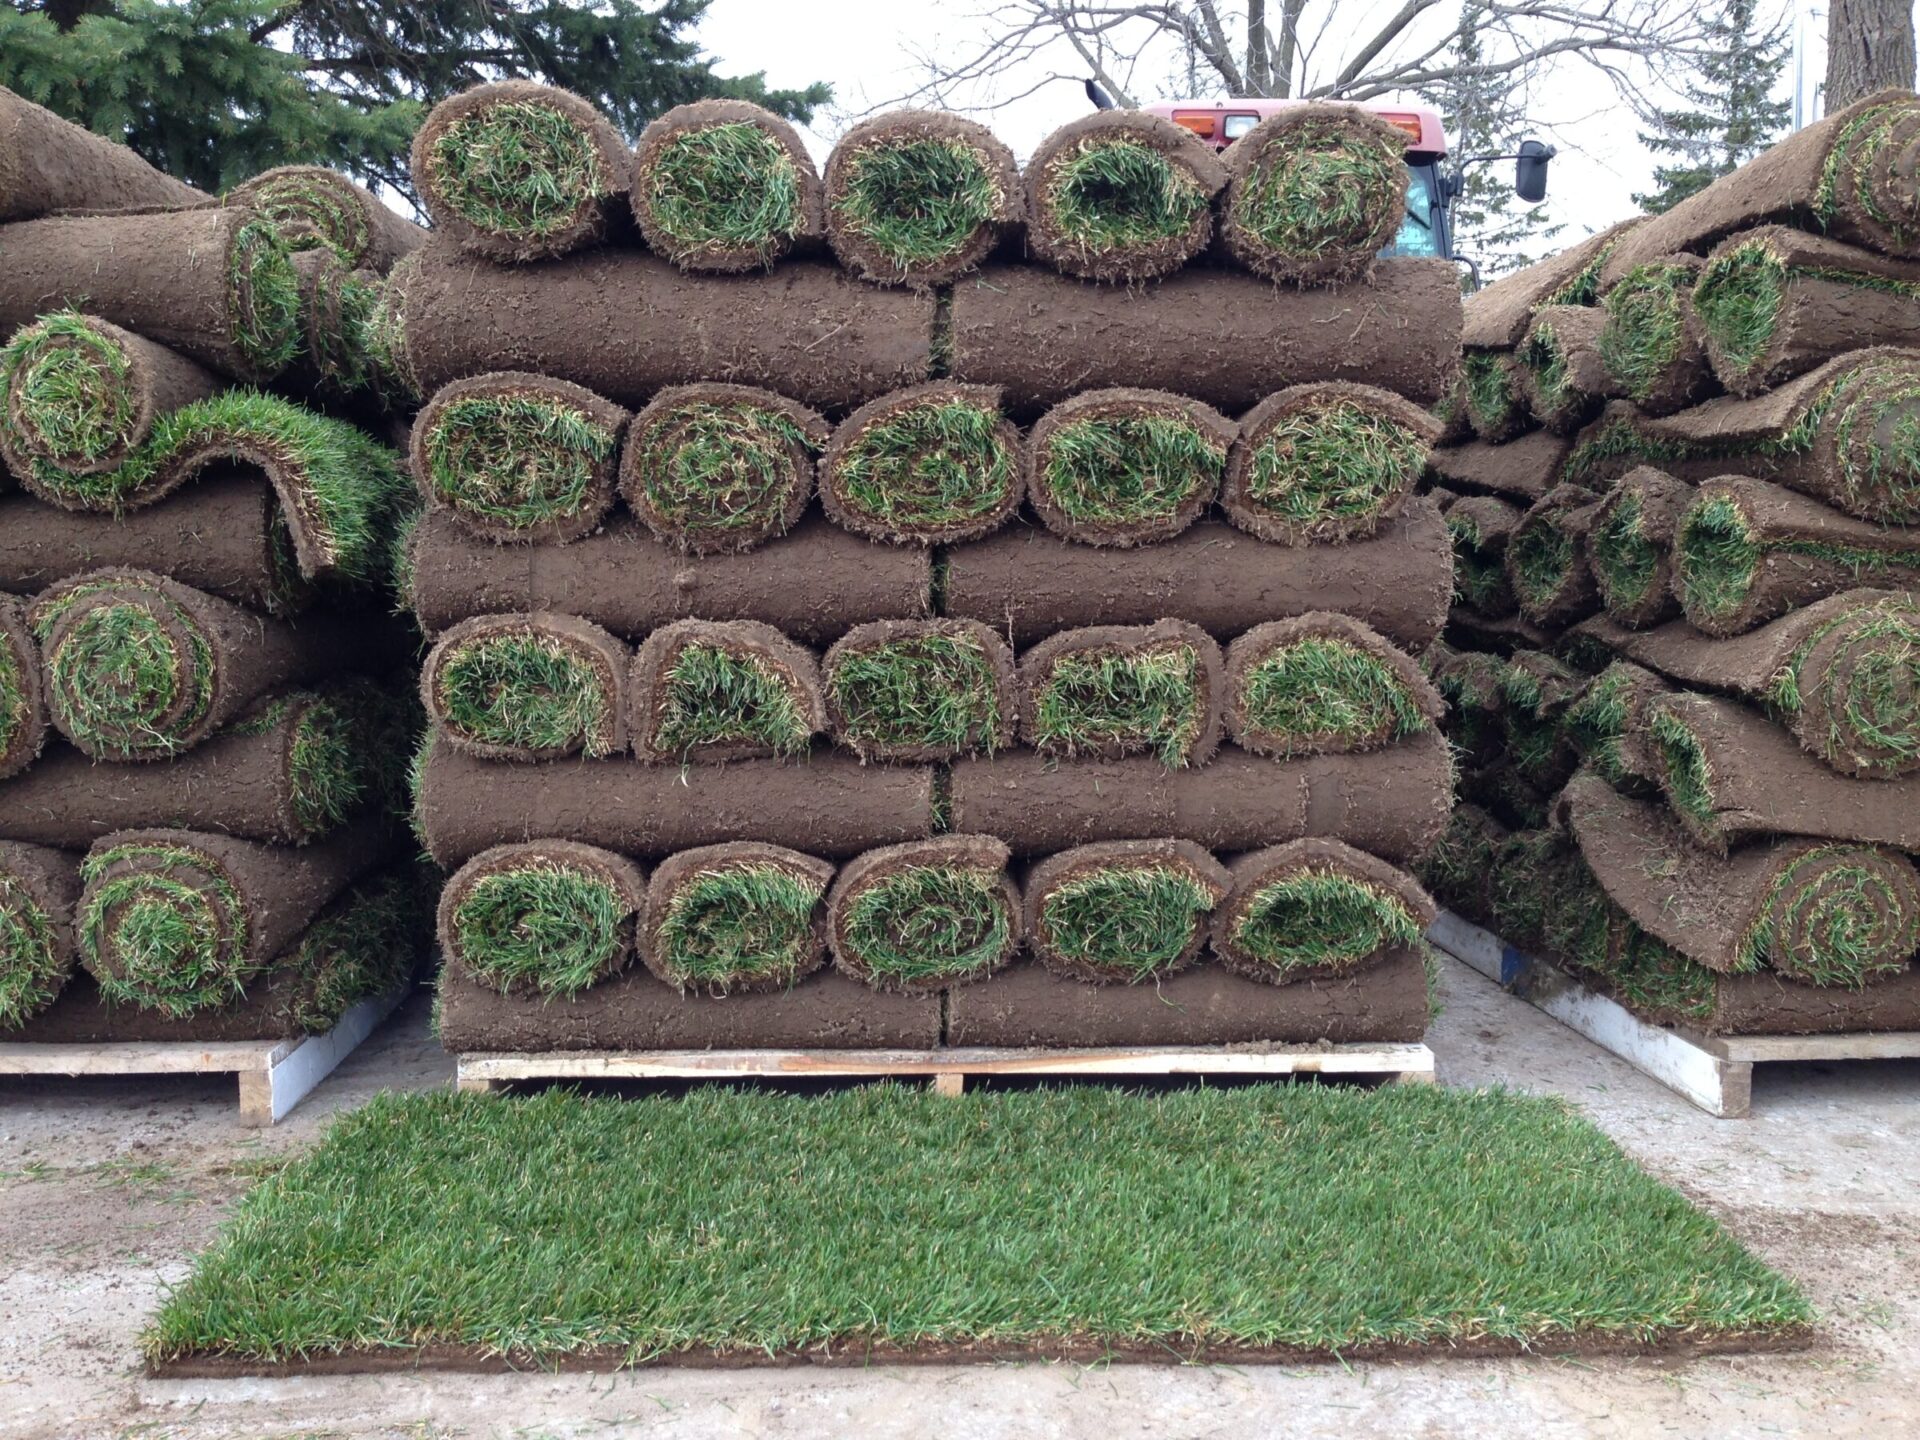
107	1188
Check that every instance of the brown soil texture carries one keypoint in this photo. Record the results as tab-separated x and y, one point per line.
627	880
845	510
686	865
1029	584
389	234
1763	783
581	640
965	853
906	127
829	805
1569	509
1180	857
588	219
713	257
999	658
1392	803
798	670
1525	468
516	385
626	324
813	585
1226	339
1123	264
1036	677
1246	652
1491	521
635	1011
1498	636
49	164
1781	183
1254	872
1469	895
1575	333
26	733
1661	500
81	1015
1498	315
1121	404
50	880
1514	419
654	438
1687	378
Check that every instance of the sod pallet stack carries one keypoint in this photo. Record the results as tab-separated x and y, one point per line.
849	631
1682	657
204	715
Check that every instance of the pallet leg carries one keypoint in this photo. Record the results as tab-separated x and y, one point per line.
256	1097
1736	1090
1414	1077
949	1083
477	1085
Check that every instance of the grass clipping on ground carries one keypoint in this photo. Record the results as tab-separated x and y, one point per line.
1193	1224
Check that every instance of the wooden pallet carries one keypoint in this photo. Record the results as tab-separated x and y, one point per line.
947	1069
1715	1072
274	1075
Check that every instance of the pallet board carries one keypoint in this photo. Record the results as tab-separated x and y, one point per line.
1715	1072
274	1075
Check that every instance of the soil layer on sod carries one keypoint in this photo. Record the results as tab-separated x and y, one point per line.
1130	911
1481	526
23	698
545	917
316	209
829	805
1108	691
920	690
1630	546
1536	1234
1651	344
39	889
1547	558
924	915
1562	377
1126	467
736	919
1227	340
813	585
934	463
528	687
626	324
48	164
725	186
708	691
1315	909
1497	316
1029	584
1392	803
1323	683
1525	469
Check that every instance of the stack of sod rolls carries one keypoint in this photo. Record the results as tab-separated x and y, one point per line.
847	633
1686	639
205	704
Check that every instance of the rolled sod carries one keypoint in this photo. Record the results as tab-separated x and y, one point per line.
1226	339
1562	377
1126	910
1108	691
926	914
83	394
1496	402
140	667
337	363
1481	526
1498	314
1121	196
1609	727
1458	871
1029	585
179	921
528	687
917	197
1840	673
1652	345
545	917
1630	546
715	469
625	325
1315	908
1470	682
39	890
724	186
1547	558
23	699
934	463
518	457
814	585
1497	637
1522	470
1126	467
48	164
214	284
317	209
1314	193
1323	684
1392	803
743	918
1325	462
920	690
515	171
714	690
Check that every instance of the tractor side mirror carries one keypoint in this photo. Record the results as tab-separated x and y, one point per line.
1530	170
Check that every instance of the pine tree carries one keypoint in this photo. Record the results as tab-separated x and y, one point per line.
214	91
1733	115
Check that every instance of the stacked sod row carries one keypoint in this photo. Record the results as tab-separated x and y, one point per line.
205	701
1681	660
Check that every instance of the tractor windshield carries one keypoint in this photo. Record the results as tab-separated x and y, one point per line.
1423	228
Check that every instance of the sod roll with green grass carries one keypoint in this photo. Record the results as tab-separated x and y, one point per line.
366	943
1314	193
1458	872
1609	728
707	691
1469	681
337	310
1535	691
1315	909
1630	546
1108	691
542	917
317	209
39	888
1547	557
515	171
926	914
1521	470
1651	344
1323	684
934	463
716	469
1124	911
1126	467
528	687
733	919
1325	462
724	186
1481	526
1494	395
1499	312
1562	376
920	690
918	197
23	700
1121	196
53	164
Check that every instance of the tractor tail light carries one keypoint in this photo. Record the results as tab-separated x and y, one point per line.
1402	121
1201	122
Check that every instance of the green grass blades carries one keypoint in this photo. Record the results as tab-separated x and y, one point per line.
1131	920
16	702
757	1225
162	928
916	202
517	461
523	691
1839	915
1322	921
716	696
263	299
131	677
366	943
1717	555
1129	469
1737	298
724	188
1493	402
933	465
927	924
1117	194
519	169
1626	563
1142	698
69	390
32	968
1541	557
1646	326
1860	701
710	471
313	211
738	924
931	691
543	926
1320	191
1321	692
1597	721
1327	469
332	760
1480	580
1687	779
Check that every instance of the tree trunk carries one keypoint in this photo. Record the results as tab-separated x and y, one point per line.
1259	73
1869	47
